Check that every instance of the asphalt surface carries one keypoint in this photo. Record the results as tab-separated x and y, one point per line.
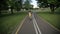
36	26
27	27
45	27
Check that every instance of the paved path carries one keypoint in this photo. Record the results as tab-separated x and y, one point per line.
27	27
45	27
36	26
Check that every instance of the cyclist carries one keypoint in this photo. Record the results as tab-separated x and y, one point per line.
30	15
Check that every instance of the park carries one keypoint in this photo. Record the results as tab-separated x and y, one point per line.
45	17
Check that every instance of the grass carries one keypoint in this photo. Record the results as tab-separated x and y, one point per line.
53	19
8	23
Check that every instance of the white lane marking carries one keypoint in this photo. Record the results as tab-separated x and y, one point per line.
36	26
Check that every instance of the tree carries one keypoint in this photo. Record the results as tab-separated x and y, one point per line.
15	4
18	5
11	4
27	4
3	5
53	4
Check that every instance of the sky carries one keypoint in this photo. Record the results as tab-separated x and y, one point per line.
34	2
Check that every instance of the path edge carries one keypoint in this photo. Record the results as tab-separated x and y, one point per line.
18	25
48	23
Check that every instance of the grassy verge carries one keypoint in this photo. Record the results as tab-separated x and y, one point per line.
7	23
53	19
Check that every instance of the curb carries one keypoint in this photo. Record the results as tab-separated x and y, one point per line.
49	23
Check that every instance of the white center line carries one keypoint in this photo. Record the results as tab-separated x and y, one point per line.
38	31
35	27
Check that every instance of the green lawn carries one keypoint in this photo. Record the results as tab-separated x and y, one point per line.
53	19
8	23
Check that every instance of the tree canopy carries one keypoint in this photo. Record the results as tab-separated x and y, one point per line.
53	4
27	4
12	4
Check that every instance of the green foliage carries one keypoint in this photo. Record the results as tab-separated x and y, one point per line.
15	4
52	1
53	4
18	5
27	4
3	4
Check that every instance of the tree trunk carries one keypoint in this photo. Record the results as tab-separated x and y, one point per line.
11	11
0	12
52	8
